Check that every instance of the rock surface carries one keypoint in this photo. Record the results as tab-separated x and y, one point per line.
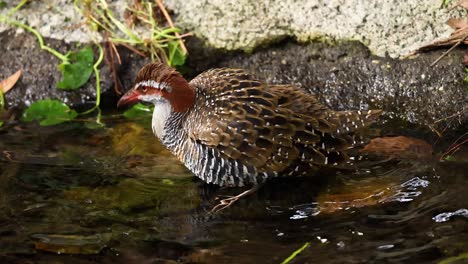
343	74
385	26
40	72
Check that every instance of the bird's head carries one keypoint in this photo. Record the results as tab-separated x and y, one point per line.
158	83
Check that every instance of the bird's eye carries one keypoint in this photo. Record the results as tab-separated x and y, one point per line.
144	89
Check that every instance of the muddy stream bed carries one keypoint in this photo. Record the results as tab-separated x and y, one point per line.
80	193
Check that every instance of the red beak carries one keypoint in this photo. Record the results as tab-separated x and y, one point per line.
130	98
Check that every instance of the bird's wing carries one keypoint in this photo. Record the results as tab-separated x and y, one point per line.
242	120
270	127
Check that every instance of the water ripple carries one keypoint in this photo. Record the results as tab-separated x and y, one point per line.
444	217
408	190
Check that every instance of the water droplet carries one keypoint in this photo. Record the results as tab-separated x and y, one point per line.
323	240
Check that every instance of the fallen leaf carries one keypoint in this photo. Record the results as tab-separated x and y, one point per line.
71	244
357	194
399	147
456	36
8	83
465	59
463	3
457	23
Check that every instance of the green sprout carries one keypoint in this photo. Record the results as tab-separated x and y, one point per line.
161	43
76	67
445	3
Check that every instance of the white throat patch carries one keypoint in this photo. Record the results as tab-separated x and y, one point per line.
162	110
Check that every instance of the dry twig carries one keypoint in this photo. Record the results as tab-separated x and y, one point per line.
171	24
449	50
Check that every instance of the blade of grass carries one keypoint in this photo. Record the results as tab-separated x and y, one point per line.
295	253
122	27
2	100
121	40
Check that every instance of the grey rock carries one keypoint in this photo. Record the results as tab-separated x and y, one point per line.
344	75
385	26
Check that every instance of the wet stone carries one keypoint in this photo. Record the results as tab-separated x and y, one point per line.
70	244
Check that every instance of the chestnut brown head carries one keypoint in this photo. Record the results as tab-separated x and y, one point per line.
158	83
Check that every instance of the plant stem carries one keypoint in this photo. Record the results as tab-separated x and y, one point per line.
171	24
57	54
295	253
96	72
2	101
98	82
16	8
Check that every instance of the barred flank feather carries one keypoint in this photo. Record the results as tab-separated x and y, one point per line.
241	131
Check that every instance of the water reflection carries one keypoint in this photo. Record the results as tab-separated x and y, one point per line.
108	192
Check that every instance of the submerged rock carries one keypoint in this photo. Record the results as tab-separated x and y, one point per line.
71	244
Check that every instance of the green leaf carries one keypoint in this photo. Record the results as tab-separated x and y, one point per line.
449	158
49	112
76	73
139	111
445	3
176	54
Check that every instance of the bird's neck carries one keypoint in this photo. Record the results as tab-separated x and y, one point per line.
162	112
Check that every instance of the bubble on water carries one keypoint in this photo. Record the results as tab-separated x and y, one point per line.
444	217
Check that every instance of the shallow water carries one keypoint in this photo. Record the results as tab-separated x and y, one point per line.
80	193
